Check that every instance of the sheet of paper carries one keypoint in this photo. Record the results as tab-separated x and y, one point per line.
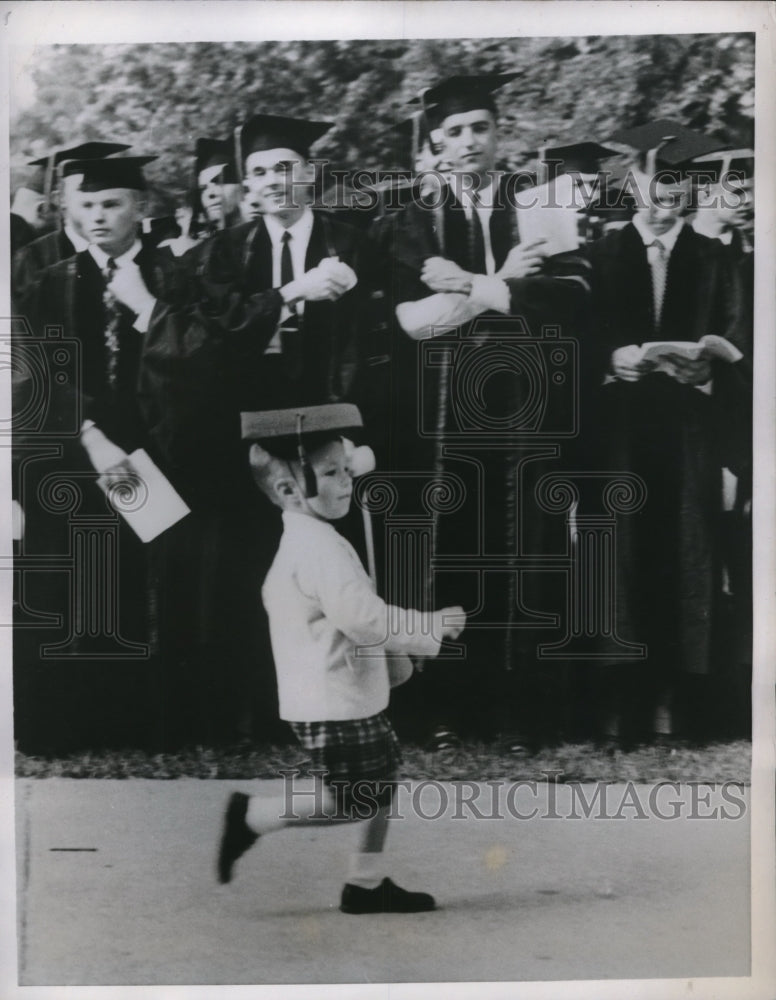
548	212
146	499
659	350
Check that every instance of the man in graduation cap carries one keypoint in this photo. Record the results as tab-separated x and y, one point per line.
68	238
102	298
460	261
281	296
669	421
215	191
272	321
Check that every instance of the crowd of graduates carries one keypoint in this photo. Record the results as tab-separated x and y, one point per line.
583	330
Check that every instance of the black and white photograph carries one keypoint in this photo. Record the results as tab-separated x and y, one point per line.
388	495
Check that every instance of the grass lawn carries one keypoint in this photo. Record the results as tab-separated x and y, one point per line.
472	761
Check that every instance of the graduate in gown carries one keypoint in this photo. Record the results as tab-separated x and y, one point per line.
274	314
488	409
673	424
68	238
102	662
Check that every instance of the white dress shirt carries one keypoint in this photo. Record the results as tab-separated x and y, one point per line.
442	312
329	629
300	233
668	239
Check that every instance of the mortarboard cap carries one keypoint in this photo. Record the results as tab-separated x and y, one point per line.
279	132
99	175
458	94
210	154
54	160
84	151
277	427
292	433
667	144
584	156
727	161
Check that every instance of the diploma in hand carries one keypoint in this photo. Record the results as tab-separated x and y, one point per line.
144	497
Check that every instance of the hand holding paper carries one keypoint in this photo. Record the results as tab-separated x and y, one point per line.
326	282
628	363
129	288
103	453
524	260
143	496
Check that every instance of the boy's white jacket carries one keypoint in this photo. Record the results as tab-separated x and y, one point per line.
329	629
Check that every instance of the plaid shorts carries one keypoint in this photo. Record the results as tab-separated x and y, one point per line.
353	752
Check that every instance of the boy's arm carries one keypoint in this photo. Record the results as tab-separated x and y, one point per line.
351	605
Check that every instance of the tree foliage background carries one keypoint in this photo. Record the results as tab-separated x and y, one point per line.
161	97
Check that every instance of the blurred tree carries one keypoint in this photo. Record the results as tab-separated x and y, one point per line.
160	97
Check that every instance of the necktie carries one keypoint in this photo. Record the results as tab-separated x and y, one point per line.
112	323
476	246
290	334
658	268
286	264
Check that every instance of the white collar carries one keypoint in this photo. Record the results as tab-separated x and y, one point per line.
101	258
668	239
296	522
300	230
78	242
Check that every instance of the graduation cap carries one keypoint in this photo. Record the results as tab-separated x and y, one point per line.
85	151
291	434
739	162
458	94
277	132
666	144
54	159
99	175
216	157
584	157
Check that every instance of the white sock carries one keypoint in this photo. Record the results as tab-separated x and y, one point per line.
366	869
263	815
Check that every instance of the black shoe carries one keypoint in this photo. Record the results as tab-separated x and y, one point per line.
237	836
386	898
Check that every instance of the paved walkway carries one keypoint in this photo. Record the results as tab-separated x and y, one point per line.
116	886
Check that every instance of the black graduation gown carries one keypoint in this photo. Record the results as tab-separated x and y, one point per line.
673	436
498	516
204	363
30	262
102	676
22	232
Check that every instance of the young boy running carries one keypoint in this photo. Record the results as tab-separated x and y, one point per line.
330	635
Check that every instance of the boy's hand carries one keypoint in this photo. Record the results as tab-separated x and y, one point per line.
453	622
